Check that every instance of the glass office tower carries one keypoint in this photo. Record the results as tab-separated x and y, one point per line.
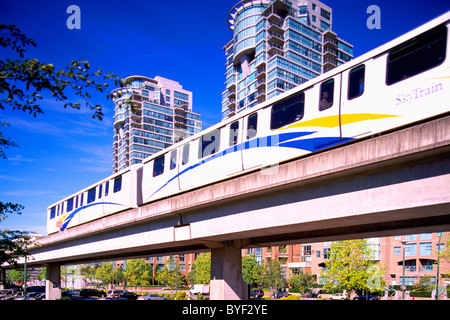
277	45
161	115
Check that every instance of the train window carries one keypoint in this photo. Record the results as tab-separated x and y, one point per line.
173	159
287	111
234	133
158	166
81	199
69	205
422	53
76	202
356	82
209	143
91	195
117	184
326	95
53	213
100	191
185	158
252	125
107	188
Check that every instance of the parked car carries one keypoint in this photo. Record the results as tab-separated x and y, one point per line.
369	297
74	293
32	296
338	296
257	293
114	293
8	294
152	296
200	289
128	295
87	293
281	294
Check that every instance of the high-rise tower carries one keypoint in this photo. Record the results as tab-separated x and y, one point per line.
277	45
161	115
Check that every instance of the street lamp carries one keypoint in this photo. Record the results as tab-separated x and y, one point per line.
438	261
404	284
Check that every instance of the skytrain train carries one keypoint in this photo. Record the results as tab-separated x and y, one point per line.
395	85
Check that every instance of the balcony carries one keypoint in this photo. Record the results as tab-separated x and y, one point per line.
276	27
275	48
276	39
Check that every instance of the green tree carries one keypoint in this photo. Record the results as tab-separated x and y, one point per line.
201	269
23	80
105	273
15	276
87	272
42	274
170	275
117	274
137	272
252	271
351	267
302	282
273	275
12	242
23	84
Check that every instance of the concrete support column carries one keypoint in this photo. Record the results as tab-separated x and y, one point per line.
226	273
53	282
2	278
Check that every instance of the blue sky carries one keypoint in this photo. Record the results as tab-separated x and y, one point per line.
63	151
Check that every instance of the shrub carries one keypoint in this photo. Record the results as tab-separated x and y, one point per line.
291	297
199	297
181	295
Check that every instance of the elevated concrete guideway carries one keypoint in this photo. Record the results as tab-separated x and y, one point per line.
396	183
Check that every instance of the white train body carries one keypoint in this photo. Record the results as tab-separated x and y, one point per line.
111	195
400	83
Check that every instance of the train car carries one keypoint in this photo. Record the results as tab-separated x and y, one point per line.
397	84
118	192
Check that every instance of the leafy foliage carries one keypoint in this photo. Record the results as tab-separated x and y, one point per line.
351	266
23	80
201	269
12	242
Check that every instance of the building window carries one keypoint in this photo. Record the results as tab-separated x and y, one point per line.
69	205
417	55
397	250
326	253
425	249
252	126
411	237
288	111
158	166
117	184
410	249
185	158
325	14
326	95
234	133
91	195
173	159
356	82
306	250
425	236
209	143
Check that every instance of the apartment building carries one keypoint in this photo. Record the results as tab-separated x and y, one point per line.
420	257
149	116
277	45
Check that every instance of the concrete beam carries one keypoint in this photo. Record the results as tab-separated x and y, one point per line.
382	184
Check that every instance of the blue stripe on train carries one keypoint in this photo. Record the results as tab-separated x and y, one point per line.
287	140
